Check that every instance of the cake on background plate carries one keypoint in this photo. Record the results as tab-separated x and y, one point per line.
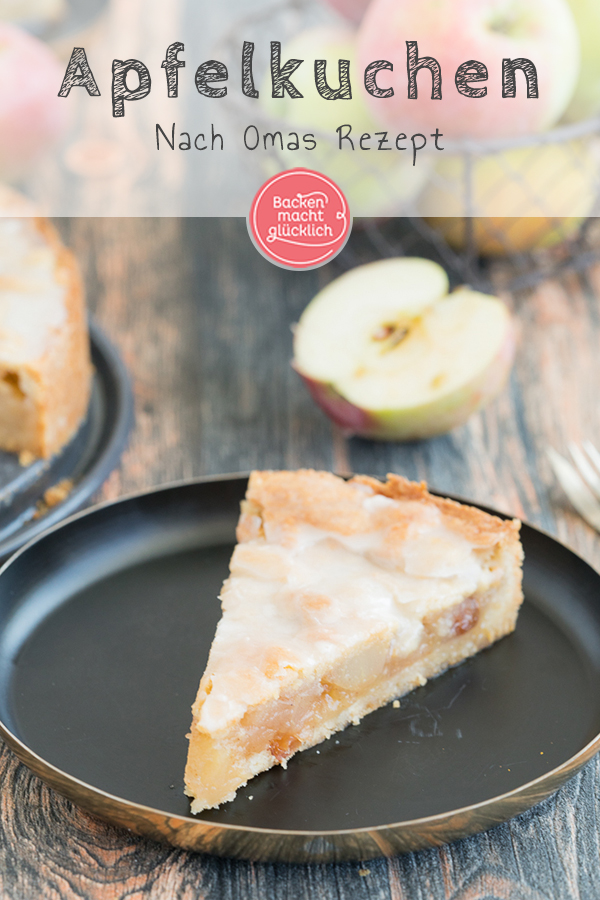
342	596
45	368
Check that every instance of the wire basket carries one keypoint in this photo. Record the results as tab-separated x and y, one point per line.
531	201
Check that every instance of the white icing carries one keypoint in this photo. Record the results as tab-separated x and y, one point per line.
319	593
377	502
32	303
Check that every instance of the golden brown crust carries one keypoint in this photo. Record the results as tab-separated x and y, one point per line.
322	500
477	526
319	499
67	368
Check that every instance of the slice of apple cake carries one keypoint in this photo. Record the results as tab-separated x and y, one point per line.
45	368
342	596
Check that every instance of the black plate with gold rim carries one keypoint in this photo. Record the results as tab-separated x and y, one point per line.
105	626
85	462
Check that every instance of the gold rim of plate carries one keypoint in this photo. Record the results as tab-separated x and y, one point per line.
248	842
279	845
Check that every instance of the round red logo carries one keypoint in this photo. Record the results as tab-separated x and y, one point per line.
299	219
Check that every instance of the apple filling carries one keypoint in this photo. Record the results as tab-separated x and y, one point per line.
301	718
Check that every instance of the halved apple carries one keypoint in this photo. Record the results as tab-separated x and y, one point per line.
389	354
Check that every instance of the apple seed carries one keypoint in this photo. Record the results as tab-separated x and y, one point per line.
399	335
385	331
393	334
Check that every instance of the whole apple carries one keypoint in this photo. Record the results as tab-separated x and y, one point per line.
520	200
486	31
388	354
375	182
31	113
586	99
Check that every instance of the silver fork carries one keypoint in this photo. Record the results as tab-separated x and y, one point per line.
580	482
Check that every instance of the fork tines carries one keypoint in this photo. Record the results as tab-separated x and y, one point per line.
581	482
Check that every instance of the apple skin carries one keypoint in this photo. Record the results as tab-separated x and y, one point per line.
349	417
586	99
353	10
31	114
375	183
528	199
454	31
430	419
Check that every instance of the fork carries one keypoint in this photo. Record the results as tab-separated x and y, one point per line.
580	482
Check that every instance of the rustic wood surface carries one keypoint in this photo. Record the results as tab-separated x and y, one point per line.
203	323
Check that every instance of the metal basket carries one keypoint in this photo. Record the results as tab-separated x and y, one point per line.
543	223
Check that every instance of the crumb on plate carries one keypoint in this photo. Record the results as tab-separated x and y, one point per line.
56	494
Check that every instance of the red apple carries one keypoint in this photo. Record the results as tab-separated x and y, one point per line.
31	113
457	31
389	354
351	9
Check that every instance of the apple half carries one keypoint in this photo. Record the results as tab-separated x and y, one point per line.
388	353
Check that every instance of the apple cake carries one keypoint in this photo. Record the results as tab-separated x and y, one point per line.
342	596
45	369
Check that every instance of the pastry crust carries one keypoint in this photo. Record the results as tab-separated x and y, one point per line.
45	368
342	596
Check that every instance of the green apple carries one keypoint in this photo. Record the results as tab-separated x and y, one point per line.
520	199
375	182
389	354
586	99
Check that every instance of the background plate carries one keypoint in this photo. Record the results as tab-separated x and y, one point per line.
105	627
87	460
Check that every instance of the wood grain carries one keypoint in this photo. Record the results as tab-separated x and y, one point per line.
203	323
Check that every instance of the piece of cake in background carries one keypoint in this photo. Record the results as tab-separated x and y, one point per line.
45	368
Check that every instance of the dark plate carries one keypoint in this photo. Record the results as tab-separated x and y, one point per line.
105	626
87	460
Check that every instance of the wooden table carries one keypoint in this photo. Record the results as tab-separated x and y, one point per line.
203	323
